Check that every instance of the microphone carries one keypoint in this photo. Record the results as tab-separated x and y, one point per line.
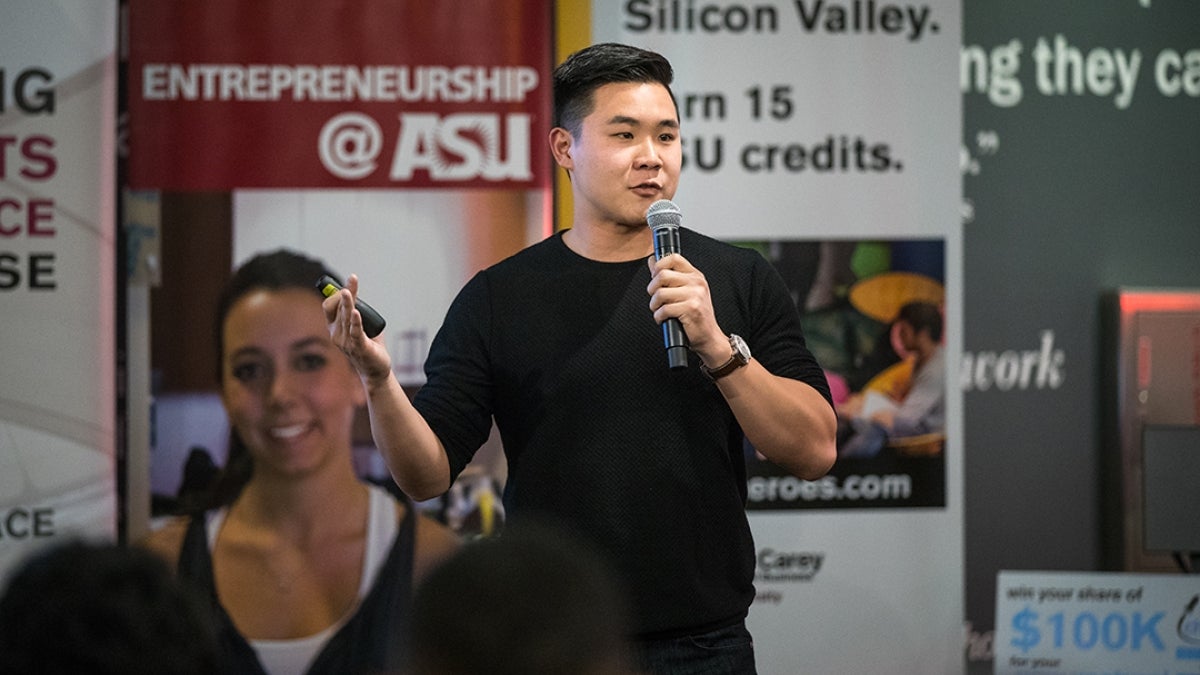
664	218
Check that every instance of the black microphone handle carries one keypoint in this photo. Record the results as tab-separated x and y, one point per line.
666	242
676	342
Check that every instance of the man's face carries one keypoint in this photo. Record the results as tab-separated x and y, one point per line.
626	155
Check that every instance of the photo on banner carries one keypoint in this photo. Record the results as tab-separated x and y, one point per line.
850	294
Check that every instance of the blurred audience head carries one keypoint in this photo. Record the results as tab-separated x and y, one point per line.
532	601
102	609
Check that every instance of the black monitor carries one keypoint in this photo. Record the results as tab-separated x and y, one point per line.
1171	488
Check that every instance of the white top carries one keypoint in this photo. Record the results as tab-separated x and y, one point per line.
292	657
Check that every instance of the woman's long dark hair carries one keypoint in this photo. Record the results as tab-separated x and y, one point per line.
277	270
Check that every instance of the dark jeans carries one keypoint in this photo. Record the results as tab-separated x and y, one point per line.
725	651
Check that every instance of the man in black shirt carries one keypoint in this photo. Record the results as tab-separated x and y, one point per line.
560	344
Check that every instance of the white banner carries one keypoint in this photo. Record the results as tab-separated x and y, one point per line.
57	163
824	126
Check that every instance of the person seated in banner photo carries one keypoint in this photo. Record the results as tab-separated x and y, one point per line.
103	609
915	407
308	568
562	346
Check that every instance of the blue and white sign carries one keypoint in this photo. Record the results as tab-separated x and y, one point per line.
1097	622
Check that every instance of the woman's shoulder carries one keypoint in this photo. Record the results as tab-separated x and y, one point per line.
166	539
432	540
434	543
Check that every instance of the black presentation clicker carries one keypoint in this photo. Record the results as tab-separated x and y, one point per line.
373	322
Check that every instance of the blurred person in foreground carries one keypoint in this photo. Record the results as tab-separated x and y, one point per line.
561	346
533	601
102	609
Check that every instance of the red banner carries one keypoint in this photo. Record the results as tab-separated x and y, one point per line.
227	94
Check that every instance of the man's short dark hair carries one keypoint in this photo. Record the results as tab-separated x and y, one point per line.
922	316
590	68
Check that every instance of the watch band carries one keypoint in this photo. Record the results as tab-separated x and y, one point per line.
739	358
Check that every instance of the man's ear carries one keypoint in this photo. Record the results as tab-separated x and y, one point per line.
560	145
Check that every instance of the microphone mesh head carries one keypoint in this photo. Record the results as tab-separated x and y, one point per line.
663	213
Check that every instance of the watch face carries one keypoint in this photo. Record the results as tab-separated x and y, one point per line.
741	350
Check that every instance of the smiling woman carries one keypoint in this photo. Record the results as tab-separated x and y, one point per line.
308	568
